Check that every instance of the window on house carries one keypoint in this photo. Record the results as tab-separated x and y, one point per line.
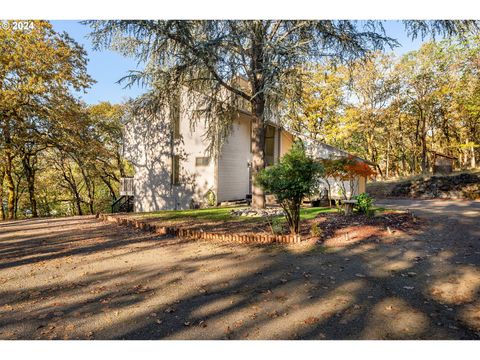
269	145
202	161
175	117
175	170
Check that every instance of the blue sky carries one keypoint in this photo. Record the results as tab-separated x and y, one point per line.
107	67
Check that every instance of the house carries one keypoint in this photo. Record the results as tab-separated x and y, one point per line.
173	171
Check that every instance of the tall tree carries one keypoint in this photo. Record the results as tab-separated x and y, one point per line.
208	55
38	70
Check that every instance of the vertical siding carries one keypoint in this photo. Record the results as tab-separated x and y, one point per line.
233	171
286	142
147	146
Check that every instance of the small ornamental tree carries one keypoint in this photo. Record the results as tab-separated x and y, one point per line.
354	170
333	169
292	179
346	170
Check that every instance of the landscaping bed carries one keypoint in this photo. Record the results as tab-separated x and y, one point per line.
337	230
322	225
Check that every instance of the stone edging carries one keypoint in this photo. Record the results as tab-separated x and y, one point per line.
201	235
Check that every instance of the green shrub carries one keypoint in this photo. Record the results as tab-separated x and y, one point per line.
364	203
211	198
292	179
316	230
276	225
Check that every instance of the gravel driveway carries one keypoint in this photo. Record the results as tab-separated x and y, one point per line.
436	208
78	278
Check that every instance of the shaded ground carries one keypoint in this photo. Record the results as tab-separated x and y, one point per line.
80	278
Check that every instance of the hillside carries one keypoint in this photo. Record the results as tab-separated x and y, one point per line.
464	185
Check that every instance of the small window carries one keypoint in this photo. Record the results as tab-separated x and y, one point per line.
269	145
175	170
202	161
175	117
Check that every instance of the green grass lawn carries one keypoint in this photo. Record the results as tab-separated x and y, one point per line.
221	214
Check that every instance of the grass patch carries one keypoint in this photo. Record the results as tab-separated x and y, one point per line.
208	214
311	213
221	214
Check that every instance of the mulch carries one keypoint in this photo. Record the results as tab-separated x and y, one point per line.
335	229
340	230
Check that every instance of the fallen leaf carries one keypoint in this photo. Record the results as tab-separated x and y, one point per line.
311	320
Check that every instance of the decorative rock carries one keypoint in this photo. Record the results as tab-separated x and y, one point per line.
250	212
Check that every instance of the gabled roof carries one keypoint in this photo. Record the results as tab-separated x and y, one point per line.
443	155
320	150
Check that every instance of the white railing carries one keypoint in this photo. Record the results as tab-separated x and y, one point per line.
126	186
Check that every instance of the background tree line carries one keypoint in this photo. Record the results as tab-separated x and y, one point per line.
394	110
58	155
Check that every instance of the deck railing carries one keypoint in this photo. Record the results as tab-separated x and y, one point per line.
126	186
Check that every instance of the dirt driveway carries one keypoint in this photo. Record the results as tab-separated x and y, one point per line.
459	209
78	278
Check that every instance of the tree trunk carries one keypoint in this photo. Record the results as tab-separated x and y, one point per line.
29	170
258	162
9	170
387	166
78	202
257	80
109	186
2	177
473	162
90	185
71	185
10	186
424	163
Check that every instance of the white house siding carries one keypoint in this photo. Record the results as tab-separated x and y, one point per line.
286	142
148	146
233	171
199	178
336	188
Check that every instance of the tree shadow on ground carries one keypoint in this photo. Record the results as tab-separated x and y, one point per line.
132	285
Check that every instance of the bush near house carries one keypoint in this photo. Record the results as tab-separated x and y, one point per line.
292	179
364	203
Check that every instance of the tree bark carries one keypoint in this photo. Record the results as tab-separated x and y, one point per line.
2	177
424	163
10	185
9	170
258	162
473	162
29	170
258	107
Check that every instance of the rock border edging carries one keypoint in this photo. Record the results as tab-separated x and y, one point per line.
201	235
